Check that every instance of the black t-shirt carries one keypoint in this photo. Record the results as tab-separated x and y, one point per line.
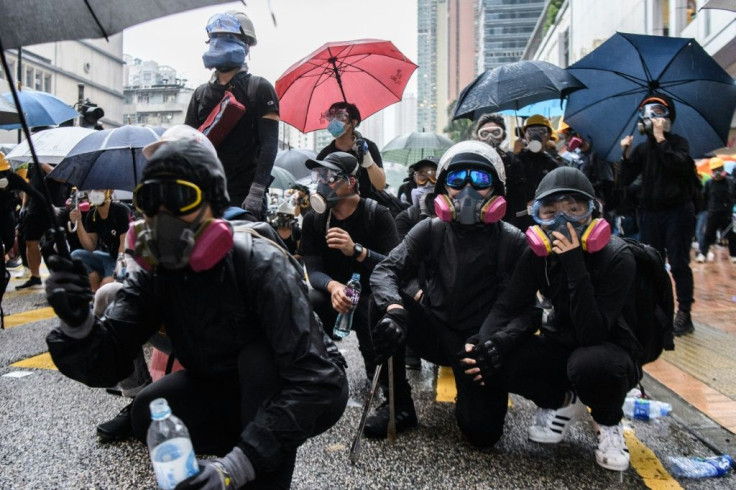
379	236
365	188
57	190
239	150
108	230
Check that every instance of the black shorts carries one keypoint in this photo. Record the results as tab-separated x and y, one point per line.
36	225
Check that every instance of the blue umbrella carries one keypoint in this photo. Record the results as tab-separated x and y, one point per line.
548	108
622	71
107	159
40	109
513	86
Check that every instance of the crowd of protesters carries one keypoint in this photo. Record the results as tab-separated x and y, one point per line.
448	276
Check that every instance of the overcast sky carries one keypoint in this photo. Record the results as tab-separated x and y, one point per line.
302	27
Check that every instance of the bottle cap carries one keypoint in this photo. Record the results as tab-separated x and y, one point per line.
160	409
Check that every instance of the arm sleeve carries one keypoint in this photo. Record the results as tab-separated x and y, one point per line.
402	263
384	229
192	117
514	315
267	102
106	354
312	385
594	310
312	248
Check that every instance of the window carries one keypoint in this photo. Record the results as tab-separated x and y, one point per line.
29	77
143	98
47	83
38	81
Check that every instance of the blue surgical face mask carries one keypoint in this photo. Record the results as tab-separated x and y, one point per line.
225	53
336	128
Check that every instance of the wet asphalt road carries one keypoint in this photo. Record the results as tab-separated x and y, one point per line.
48	441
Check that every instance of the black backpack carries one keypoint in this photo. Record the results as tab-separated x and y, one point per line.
655	304
393	203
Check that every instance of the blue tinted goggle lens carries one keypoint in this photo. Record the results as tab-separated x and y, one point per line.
223	23
457	179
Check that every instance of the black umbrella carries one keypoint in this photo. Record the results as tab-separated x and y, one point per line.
626	68
513	86
294	160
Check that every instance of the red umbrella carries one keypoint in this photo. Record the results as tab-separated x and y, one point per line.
369	73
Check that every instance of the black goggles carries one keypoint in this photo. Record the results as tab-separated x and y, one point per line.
479	179
179	197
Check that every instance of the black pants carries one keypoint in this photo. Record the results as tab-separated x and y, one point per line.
217	409
479	412
671	233
542	370
715	222
322	305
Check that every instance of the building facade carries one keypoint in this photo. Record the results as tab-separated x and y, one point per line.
504	28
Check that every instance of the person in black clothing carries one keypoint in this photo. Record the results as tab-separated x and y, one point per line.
288	228
463	259
37	220
343	235
249	149
719	195
491	129
535	162
102	235
343	118
668	184
424	177
260	376
588	354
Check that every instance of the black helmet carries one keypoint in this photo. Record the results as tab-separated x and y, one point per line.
564	180
188	159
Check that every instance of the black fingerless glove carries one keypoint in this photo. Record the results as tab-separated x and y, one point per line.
68	290
487	358
389	334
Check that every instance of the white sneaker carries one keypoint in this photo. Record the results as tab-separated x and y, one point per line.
711	257
700	258
612	453
551	425
733	260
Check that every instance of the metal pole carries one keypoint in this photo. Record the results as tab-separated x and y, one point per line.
19	72
391	402
355	447
333	60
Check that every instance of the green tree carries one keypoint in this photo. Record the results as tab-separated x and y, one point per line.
458	129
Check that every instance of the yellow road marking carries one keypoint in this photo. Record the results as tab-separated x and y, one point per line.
446	390
29	316
41	361
646	463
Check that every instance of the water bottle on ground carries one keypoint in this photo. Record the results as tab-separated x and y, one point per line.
700	467
121	268
170	447
345	320
641	409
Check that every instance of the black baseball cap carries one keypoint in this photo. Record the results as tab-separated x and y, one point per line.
339	161
434	161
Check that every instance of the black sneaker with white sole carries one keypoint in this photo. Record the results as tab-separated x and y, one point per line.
32	283
377	424
118	428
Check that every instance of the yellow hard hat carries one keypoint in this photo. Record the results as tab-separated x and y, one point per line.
715	163
540	120
4	164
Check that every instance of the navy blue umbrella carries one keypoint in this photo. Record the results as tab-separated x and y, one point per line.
622	71
107	159
513	86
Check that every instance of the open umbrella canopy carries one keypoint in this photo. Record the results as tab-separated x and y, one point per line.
41	21
51	145
513	86
547	108
282	178
8	114
369	73
107	159
40	109
294	160
622	71
411	147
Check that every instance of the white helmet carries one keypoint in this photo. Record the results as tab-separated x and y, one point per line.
246	26
468	152
179	132
285	208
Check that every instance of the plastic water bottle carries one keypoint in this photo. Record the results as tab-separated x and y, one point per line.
345	320
639	408
170	447
120	270
700	467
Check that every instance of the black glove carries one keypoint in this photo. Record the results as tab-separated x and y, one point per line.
233	470
487	358
68	290
389	334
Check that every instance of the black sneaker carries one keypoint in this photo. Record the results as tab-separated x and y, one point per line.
377	424
32	283
683	324
117	428
412	360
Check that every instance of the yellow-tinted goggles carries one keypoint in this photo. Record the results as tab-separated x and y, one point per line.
179	197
